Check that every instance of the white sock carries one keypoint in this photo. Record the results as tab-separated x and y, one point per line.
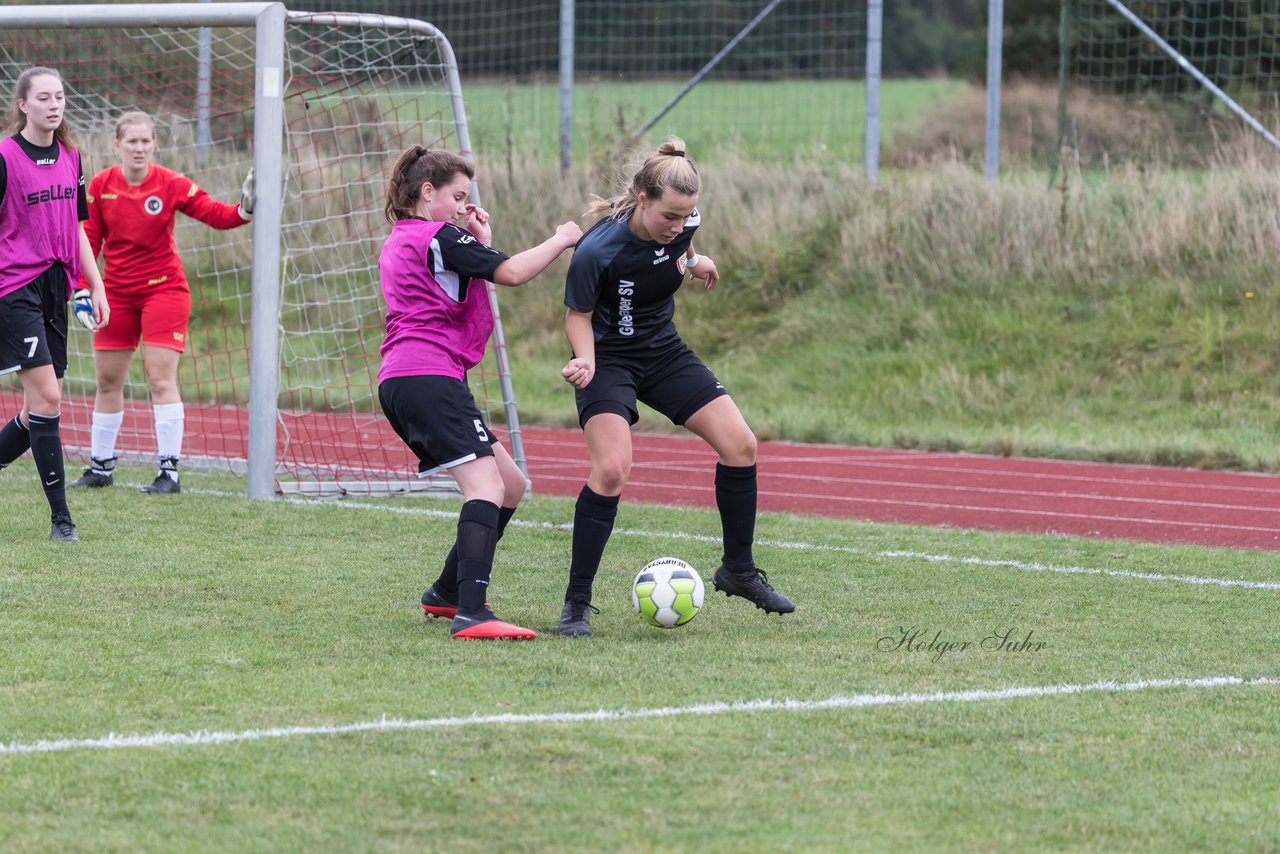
102	438
169	419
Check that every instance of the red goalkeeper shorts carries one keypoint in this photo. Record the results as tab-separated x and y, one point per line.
158	318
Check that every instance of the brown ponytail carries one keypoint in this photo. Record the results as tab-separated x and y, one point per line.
417	166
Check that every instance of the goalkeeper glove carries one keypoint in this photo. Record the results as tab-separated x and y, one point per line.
82	308
246	196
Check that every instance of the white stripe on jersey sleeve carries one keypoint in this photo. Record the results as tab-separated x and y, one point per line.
447	278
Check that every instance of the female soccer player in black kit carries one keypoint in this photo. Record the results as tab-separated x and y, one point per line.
620	295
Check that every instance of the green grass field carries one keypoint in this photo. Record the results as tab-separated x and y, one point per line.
811	120
207	614
210	674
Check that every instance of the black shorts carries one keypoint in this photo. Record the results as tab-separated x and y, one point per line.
675	383
33	324
438	419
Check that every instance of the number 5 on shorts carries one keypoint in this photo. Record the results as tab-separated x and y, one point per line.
484	437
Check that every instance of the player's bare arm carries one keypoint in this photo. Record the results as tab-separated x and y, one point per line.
702	267
524	266
581	369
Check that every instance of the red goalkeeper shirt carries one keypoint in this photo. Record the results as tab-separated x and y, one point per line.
133	227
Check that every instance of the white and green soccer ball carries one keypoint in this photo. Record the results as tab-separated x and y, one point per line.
667	593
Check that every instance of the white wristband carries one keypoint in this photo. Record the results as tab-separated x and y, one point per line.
692	262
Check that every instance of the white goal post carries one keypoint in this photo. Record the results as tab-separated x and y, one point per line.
285	327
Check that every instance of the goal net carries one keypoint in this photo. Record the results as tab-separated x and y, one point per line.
1188	83
356	91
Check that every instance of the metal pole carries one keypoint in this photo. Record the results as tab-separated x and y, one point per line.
875	35
135	14
264	335
567	26
203	84
1064	76
995	42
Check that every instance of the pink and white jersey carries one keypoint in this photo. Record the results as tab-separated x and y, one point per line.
39	221
438	313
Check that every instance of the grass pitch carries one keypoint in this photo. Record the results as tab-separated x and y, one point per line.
208	614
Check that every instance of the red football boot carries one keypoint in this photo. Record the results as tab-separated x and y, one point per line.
483	625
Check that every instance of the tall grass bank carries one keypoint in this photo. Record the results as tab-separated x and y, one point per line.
1119	315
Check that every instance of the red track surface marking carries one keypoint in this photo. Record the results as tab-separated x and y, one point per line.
1211	508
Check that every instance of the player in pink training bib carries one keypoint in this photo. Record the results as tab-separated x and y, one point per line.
43	251
434	269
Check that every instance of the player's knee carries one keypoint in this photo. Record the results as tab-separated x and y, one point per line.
47	402
741	450
162	388
611	476
110	384
42	395
514	487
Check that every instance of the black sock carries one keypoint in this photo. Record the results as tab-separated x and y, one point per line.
447	584
736	500
15	439
46	449
592	524
477	538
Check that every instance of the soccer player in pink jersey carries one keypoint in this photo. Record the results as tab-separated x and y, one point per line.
434	267
132	209
43	252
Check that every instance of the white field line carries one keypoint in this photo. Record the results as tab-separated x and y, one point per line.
1024	566
1027	566
1031	566
854	701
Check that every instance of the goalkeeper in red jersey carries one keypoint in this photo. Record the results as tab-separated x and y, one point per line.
132	208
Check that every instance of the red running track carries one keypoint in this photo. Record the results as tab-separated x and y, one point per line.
1148	503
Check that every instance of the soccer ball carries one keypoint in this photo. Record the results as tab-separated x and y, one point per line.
667	593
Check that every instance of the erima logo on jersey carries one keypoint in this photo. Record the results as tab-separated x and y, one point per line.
153	205
662	256
53	194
